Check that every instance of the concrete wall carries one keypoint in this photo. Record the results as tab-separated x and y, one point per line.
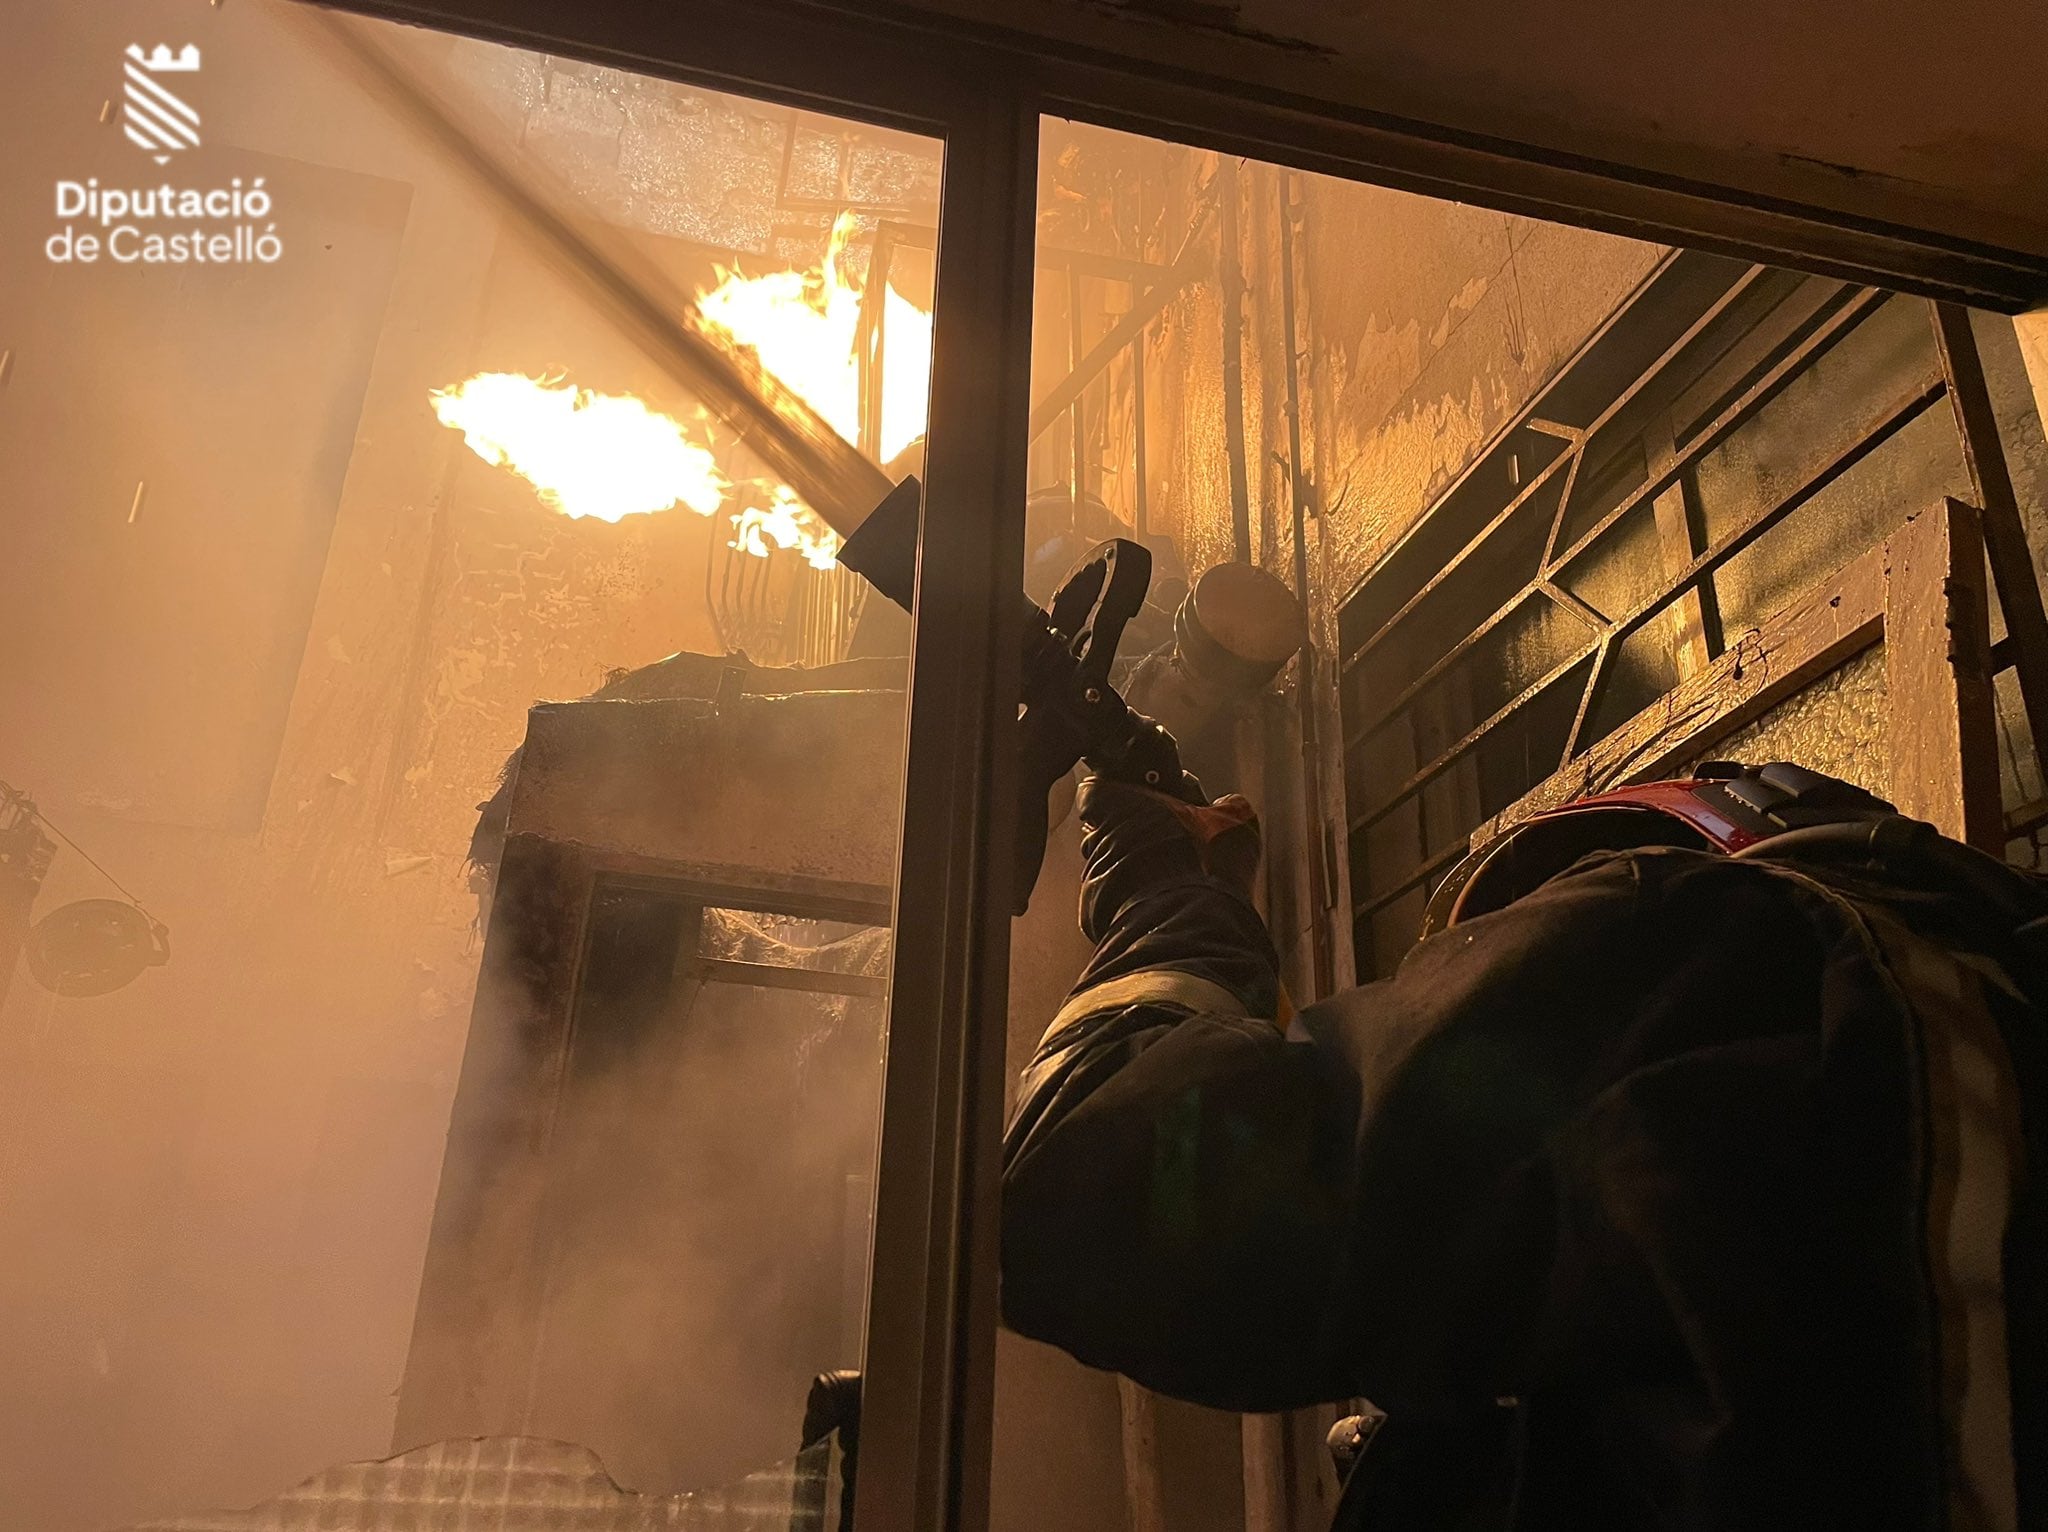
1919	115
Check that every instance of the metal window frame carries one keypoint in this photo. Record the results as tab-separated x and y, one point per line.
932	1311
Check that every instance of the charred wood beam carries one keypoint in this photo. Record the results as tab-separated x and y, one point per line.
1762	667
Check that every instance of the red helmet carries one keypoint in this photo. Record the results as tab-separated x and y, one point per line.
1725	808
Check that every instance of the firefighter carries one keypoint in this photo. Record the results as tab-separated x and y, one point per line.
1661	1186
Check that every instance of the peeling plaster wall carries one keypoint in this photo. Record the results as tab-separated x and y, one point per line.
1433	324
1423	327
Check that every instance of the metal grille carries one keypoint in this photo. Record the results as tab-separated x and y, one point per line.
1729	437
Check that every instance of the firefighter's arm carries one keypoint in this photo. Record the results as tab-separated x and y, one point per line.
1174	1208
1257	1217
1173	1182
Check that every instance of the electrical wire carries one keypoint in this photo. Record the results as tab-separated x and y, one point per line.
16	797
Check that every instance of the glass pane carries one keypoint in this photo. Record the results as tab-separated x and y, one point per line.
450	832
1544	496
712	1167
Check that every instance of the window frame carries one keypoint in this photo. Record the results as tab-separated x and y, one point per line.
927	1414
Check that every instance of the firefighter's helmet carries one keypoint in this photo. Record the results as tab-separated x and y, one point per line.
1723	807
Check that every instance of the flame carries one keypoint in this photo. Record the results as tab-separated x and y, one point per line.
589	454
804	327
610	456
785	522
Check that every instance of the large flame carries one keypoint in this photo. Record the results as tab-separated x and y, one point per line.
804	326
589	454
610	456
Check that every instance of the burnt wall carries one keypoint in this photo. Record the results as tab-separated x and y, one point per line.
1421	328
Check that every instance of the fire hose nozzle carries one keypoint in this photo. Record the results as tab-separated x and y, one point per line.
1069	710
883	548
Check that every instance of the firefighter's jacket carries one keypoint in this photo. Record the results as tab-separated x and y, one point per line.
1684	1192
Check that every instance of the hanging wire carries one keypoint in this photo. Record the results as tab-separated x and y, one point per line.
15	798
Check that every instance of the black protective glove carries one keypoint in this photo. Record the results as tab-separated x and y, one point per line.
1167	884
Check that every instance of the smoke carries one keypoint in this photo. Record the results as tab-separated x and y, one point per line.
706	1215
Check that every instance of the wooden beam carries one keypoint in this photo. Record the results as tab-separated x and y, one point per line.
1761	668
1943	732
1144	1486
1267	1506
2004	534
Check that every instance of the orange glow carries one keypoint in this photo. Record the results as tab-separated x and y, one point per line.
803	324
610	456
785	522
589	454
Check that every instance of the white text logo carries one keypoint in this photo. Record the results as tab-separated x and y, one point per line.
174	222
